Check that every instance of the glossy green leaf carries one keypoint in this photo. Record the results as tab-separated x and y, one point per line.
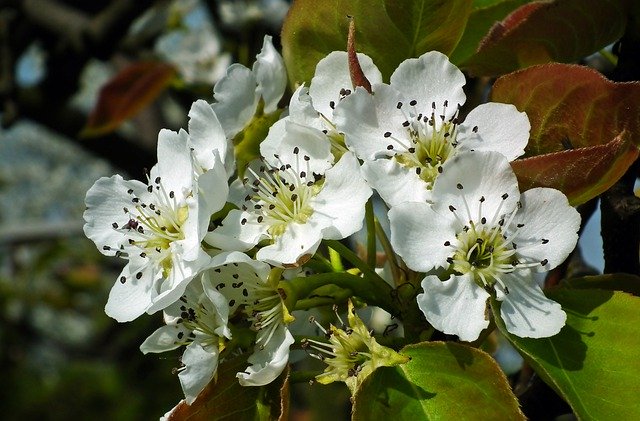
595	360
128	92
581	127
388	31
442	381
609	281
484	15
226	399
545	31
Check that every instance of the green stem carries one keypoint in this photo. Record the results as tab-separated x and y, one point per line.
396	272
336	261
339	297
371	234
371	291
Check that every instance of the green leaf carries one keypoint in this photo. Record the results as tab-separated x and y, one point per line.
581	127
595	360
128	92
545	31
484	15
610	281
226	399
442	381
388	31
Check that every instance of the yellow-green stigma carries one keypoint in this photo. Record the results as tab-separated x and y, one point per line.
352	353
432	141
283	195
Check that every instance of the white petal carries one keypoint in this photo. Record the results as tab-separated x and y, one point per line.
456	306
301	109
395	183
268	363
308	142
105	202
365	118
213	190
418	235
163	339
236	98
430	78
175	166
261	269
501	128
270	74
342	199
221	308
297	240
526	311
181	273
207	135
480	174
332	75
234	235
129	300
200	365
546	214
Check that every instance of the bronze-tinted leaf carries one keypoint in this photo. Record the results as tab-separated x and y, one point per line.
135	87
583	127
224	398
545	31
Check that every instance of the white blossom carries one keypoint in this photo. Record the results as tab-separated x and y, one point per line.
196	52
250	288
409	128
313	106
244	93
157	227
199	321
482	236
295	199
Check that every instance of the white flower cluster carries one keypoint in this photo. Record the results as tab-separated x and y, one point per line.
455	209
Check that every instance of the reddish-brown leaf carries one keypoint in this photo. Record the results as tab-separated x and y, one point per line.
126	94
581	174
545	31
584	128
224	398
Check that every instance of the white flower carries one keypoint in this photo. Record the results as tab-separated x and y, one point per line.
313	106
250	288
196	53
296	199
199	321
237	14
487	237
158	227
244	93
408	129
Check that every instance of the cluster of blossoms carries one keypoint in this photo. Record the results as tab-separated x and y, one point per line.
212	242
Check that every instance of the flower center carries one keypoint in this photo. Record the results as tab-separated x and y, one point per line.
154	225
266	312
484	252
283	195
201	320
248	293
432	140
